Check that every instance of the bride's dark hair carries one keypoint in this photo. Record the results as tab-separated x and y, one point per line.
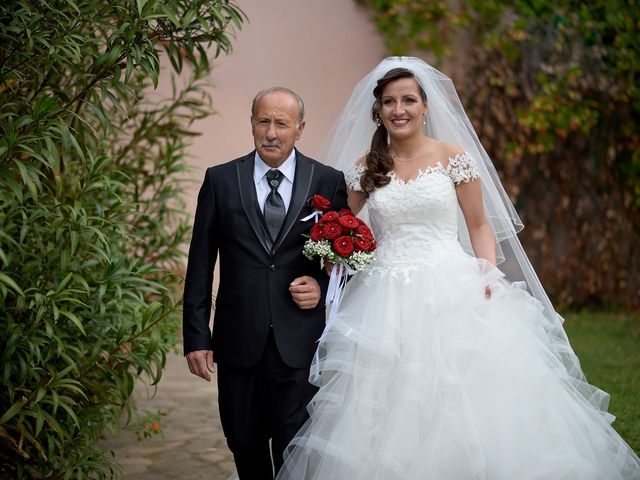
378	161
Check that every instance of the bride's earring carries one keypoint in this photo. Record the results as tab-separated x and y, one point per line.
378	121
424	118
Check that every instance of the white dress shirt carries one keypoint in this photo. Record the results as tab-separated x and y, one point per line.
288	169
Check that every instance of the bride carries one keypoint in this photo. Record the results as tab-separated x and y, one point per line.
438	365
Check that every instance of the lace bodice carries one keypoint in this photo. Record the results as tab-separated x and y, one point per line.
416	222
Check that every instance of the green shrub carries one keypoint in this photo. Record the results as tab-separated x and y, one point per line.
91	224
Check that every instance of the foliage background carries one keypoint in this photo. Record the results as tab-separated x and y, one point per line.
552	90
90	214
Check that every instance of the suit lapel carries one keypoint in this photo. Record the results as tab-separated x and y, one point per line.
248	197
301	186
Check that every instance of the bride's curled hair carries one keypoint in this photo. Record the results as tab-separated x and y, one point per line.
378	161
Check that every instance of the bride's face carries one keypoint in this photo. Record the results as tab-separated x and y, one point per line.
402	108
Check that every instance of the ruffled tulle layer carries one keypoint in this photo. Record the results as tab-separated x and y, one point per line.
421	377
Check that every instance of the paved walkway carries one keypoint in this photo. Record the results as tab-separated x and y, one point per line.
193	446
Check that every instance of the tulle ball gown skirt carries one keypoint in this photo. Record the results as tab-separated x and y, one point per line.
421	377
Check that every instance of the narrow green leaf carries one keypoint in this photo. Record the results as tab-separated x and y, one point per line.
64	282
31	181
7	280
13	411
76	321
70	412
55	397
41	393
39	421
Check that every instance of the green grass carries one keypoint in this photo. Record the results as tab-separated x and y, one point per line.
608	346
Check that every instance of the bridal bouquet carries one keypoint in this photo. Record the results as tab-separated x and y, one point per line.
339	237
345	240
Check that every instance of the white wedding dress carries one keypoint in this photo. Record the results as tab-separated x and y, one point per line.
424	378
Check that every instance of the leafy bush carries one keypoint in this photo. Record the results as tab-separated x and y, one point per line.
553	91
91	224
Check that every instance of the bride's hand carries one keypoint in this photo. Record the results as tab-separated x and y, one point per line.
328	267
487	292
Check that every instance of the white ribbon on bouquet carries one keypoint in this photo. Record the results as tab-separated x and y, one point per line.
337	282
315	215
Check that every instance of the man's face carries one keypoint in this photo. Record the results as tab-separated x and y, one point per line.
275	128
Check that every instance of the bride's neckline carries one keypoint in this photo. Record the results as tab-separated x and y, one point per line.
426	170
437	167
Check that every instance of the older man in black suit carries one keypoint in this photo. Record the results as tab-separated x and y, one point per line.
269	308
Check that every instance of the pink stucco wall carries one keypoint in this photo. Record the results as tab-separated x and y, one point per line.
318	48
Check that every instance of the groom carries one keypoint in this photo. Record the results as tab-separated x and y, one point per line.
269	310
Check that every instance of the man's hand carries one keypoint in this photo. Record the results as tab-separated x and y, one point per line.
305	291
201	363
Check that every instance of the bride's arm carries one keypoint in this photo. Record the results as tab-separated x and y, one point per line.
480	232
464	172
356	198
356	201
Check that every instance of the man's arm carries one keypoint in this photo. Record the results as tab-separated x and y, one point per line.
198	283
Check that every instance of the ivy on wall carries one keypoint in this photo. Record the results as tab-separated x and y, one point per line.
553	91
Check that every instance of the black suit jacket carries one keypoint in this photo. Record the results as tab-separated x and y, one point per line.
255	272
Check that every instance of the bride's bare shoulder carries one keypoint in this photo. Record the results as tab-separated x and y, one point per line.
447	151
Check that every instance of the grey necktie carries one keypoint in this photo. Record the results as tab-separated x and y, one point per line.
274	211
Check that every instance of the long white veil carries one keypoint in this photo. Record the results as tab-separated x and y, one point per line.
350	138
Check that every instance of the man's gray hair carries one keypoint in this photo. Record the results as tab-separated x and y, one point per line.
297	98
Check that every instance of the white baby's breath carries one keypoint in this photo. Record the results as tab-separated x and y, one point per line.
322	248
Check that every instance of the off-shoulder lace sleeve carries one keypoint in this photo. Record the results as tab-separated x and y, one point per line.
352	177
463	168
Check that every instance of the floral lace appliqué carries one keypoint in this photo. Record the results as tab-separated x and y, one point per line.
462	168
353	175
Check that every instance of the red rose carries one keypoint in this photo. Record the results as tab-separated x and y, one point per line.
345	211
320	203
316	232
331	231
364	231
348	221
343	246
329	217
362	244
